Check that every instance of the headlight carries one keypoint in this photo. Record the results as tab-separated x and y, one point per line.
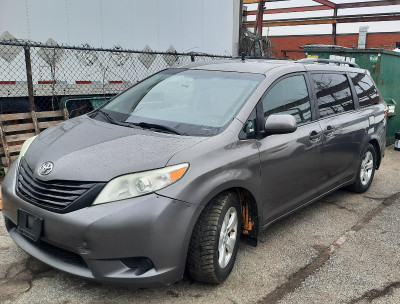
138	184
25	146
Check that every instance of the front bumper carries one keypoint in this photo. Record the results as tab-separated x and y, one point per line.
91	242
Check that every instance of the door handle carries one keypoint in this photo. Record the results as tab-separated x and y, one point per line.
314	136
329	131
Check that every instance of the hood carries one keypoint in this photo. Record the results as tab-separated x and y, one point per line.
85	149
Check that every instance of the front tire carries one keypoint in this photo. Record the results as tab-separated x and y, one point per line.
366	170
215	240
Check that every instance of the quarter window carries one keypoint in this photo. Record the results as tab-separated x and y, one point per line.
250	127
365	89
333	93
289	96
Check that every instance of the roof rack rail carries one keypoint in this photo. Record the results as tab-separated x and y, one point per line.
318	60
243	57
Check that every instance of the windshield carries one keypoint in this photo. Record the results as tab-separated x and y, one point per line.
190	102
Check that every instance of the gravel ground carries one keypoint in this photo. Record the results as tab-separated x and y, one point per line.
345	248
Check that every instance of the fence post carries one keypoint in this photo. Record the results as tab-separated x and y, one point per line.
29	77
7	159
65	113
35	122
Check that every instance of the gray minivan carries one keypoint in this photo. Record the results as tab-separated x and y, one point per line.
172	173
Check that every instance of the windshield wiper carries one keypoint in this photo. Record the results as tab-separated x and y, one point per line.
146	125
112	120
143	125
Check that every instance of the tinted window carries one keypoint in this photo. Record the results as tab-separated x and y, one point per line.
333	93
365	88
289	96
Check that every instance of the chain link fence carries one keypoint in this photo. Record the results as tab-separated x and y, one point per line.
46	77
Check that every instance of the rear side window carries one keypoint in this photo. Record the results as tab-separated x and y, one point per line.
333	93
289	96
365	88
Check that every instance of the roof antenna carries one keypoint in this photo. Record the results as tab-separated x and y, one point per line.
242	56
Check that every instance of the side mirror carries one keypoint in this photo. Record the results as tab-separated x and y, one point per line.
280	124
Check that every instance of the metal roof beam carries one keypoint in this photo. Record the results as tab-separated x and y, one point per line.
256	1
327	3
325	7
368	4
291	10
371	18
332	5
329	20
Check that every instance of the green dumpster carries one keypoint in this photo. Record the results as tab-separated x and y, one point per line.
384	66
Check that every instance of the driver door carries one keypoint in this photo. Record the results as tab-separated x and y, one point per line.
290	163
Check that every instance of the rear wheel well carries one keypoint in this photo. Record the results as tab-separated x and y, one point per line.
377	149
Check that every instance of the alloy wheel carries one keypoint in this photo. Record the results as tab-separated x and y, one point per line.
367	165
227	237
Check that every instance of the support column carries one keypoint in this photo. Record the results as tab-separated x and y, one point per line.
259	18
334	26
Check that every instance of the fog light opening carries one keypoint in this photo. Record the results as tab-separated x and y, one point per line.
139	264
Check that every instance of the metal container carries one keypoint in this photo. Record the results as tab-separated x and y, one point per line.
384	66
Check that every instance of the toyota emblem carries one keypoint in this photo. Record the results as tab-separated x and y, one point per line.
46	168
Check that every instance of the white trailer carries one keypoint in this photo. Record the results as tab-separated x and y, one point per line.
63	74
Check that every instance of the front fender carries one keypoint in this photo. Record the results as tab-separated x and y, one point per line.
201	189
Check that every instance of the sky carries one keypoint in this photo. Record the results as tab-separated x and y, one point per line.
385	26
187	25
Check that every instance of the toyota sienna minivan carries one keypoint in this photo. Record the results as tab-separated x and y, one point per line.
172	173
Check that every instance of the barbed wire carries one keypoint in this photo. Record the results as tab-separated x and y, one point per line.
118	49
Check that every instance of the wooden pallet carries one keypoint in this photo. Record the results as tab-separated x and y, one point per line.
18	127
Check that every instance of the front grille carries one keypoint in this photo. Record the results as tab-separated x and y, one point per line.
53	195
